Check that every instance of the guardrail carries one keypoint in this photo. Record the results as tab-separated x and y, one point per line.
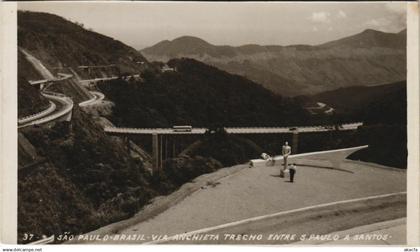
108	78
38	115
267	162
100	79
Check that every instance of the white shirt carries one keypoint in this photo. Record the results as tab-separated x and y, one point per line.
286	150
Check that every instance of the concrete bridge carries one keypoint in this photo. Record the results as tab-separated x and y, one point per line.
164	140
96	66
42	84
89	68
92	82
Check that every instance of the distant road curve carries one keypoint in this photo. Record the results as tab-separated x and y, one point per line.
97	98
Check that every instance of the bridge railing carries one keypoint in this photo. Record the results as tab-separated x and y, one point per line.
237	130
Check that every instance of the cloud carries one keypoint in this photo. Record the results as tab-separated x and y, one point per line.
323	17
397	12
341	14
376	22
393	19
386	24
399	8
320	17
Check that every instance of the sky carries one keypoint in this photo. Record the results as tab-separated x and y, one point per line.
142	24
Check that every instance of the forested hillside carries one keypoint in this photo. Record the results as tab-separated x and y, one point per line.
385	128
199	95
383	109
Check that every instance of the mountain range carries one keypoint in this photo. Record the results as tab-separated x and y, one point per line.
367	58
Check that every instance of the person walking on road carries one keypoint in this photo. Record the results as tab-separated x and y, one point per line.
292	172
286	151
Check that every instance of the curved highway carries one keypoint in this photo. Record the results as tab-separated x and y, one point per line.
60	105
63	106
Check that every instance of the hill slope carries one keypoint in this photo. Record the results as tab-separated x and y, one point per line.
60	43
367	58
383	109
359	98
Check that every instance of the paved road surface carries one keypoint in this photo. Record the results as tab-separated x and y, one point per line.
97	98
63	107
260	191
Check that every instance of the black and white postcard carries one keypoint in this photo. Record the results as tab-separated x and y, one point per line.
244	123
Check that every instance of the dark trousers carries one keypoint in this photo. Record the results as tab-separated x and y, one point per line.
292	174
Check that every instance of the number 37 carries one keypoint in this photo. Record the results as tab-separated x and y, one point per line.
27	237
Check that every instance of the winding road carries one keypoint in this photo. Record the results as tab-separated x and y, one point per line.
60	106
98	97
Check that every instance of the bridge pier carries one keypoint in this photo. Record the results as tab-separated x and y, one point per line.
163	147
166	148
155	153
173	147
68	116
160	166
127	143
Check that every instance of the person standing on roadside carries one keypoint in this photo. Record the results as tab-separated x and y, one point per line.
292	172
286	151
